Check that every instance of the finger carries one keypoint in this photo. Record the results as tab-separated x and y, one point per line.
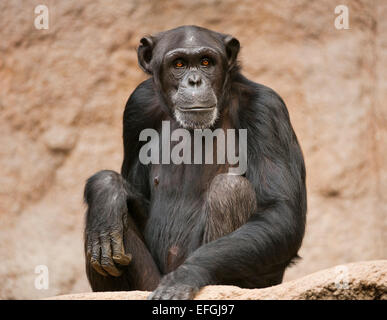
95	256
167	293
155	295
106	257
187	294
170	295
119	255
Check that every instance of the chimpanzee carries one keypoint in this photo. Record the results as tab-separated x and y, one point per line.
174	228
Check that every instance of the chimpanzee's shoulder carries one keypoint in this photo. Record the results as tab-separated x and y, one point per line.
258	99
143	106
144	93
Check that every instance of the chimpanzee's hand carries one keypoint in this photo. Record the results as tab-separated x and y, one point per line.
181	284
105	247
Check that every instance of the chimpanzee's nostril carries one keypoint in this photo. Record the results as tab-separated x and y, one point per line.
194	80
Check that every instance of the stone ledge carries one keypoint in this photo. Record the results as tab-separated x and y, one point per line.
364	280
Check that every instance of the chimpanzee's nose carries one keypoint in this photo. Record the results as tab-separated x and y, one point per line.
194	80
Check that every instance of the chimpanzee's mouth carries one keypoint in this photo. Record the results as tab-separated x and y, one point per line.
196	117
196	109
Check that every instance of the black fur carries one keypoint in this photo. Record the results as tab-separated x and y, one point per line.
162	208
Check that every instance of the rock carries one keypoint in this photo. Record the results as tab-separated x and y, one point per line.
59	139
355	281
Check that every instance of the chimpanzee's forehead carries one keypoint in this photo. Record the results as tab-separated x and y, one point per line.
189	37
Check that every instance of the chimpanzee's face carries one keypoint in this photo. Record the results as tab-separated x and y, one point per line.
191	65
193	77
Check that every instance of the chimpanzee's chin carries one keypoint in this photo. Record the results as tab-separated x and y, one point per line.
195	119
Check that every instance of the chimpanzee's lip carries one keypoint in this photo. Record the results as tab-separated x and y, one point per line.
196	109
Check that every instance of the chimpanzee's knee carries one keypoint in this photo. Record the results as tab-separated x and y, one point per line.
230	201
104	184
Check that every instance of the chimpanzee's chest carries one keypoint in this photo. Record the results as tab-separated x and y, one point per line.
178	188
176	218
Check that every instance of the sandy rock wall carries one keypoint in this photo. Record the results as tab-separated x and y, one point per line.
63	90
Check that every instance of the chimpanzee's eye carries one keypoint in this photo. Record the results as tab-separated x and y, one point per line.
179	63
205	62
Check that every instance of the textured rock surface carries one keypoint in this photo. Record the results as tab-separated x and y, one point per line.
357	281
63	90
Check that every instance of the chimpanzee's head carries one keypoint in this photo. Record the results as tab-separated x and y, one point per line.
190	66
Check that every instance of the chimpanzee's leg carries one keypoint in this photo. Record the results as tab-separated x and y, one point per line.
116	255
231	200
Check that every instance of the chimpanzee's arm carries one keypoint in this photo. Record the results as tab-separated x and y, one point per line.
110	196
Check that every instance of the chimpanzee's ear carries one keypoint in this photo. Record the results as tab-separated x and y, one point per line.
145	53
232	49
